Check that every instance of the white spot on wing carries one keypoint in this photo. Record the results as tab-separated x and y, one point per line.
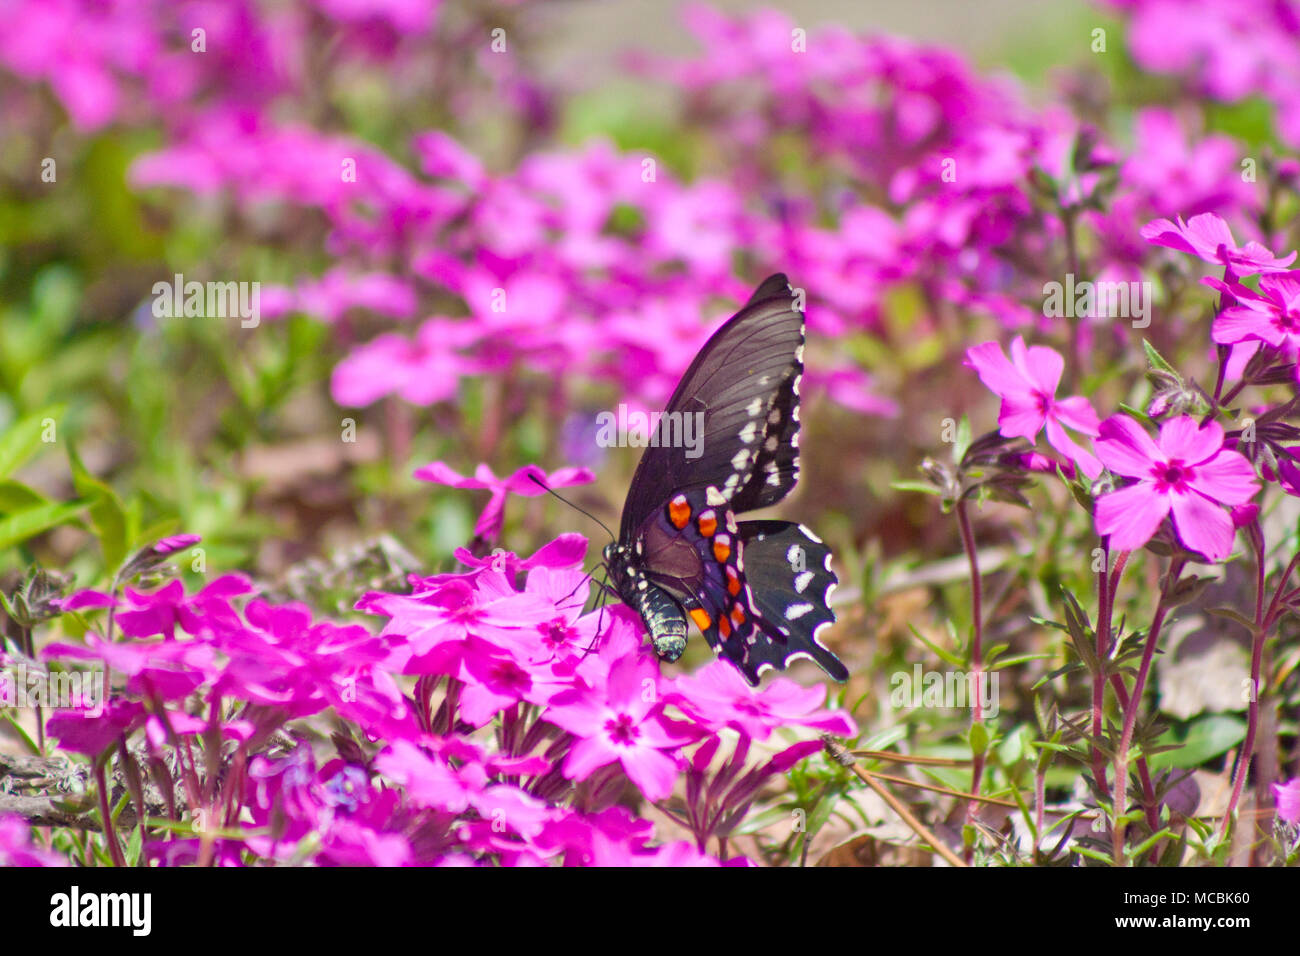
801	581
796	611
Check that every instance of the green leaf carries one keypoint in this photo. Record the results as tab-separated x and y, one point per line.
1164	833
1157	360
22	440
963	439
884	739
106	512
15	496
1232	615
1137	413
1091	854
1204	739
19	527
946	656
919	486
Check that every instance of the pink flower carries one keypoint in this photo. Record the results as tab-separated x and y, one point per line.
564	552
717	696
175	543
1188	472
519	483
1209	237
89	733
1287	796
1027	384
605	852
625	723
17	849
1271	315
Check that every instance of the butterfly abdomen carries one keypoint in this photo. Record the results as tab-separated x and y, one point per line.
665	621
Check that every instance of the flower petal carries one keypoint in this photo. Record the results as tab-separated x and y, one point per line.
1182	439
1067	446
1131	515
995	370
1202	525
1228	478
1125	448
1042	367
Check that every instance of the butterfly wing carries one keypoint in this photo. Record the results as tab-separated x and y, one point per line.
747	370
756	606
788	574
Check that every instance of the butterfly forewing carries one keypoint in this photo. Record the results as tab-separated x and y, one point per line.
731	387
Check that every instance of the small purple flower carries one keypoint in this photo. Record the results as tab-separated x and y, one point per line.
1027	385
624	722
1189	473
520	483
1209	237
1287	796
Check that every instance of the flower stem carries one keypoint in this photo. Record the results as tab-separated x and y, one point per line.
976	655
1119	806
1264	621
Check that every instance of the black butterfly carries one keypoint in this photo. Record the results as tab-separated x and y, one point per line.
758	590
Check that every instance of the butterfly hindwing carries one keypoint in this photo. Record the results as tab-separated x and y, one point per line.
788	573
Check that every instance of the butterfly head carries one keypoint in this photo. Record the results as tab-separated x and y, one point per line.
663	616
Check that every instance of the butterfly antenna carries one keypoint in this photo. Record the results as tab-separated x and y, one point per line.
605	591
585	578
551	491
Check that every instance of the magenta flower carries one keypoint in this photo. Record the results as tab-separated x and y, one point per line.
1271	315
1027	385
1189	473
493	516
89	733
1287	796
608	853
175	543
716	696
624	723
17	849
1209	237
564	552
428	630
423	371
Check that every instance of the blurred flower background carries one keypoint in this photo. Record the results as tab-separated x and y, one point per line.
472	227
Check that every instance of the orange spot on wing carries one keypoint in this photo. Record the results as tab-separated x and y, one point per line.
738	615
724	627
733	582
708	523
701	618
679	511
721	549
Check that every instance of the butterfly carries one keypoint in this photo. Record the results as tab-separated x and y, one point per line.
759	591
